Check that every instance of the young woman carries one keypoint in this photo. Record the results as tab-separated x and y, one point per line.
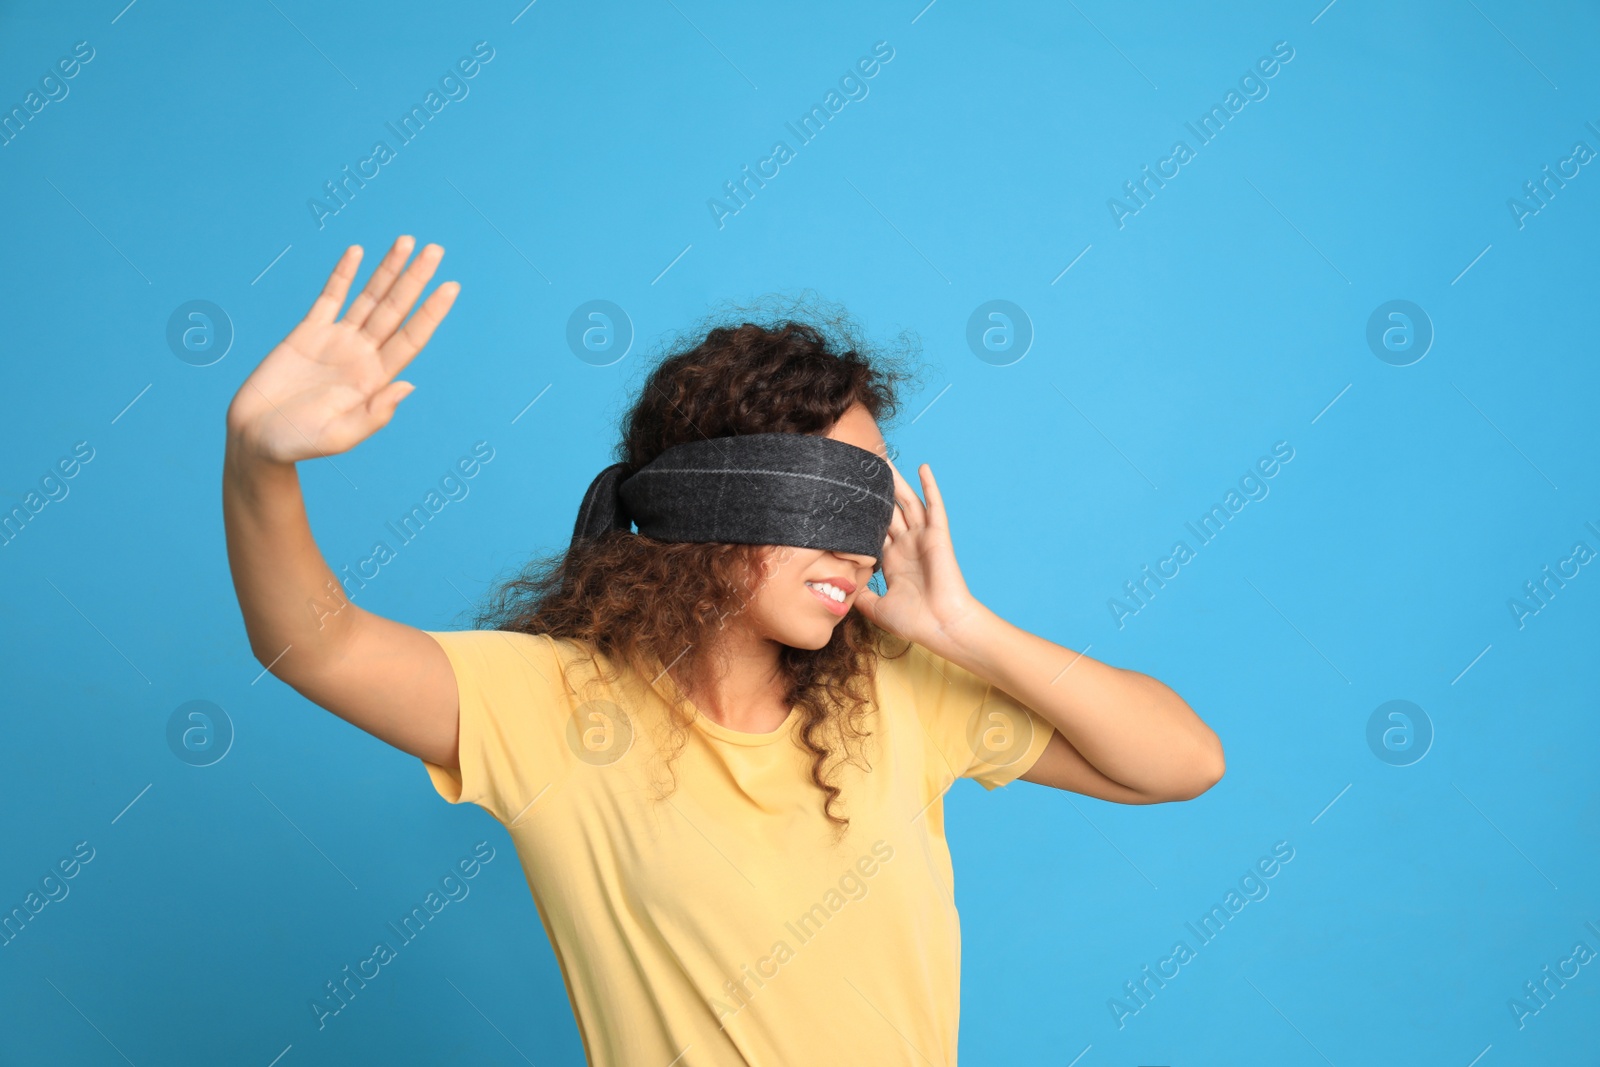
721	758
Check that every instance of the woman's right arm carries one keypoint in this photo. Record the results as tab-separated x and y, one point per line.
328	386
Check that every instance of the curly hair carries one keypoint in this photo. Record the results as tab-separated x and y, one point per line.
644	603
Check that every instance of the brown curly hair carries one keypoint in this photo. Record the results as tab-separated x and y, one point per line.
644	603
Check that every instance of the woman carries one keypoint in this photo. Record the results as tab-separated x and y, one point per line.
721	759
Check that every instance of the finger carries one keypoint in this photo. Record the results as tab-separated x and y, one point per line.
404	345
381	405
396	303
906	497
892	558
937	516
866	602
897	523
871	606
382	278
364	420
327	304
888	563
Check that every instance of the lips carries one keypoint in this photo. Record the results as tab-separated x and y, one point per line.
845	585
838	607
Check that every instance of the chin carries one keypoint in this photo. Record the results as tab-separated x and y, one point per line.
814	635
822	640
809	639
797	624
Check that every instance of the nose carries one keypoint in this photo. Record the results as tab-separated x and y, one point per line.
857	559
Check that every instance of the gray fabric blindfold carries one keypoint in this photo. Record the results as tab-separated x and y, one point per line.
757	489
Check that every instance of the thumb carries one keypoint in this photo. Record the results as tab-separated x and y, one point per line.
385	400
867	602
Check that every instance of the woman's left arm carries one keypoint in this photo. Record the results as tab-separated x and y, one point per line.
1124	735
1131	728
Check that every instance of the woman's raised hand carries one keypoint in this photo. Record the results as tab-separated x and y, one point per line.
926	599
330	384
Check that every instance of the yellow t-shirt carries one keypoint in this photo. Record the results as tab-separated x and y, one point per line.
721	925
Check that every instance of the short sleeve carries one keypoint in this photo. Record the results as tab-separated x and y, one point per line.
980	732
514	712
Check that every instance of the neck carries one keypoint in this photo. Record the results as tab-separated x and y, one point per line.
745	690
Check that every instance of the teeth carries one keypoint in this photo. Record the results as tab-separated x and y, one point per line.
832	591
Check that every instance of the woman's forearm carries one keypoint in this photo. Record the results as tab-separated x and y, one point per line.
1134	729
326	387
294	608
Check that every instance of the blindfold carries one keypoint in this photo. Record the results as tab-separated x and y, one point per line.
761	489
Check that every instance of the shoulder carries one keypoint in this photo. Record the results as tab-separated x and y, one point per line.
513	657
920	673
496	645
974	729
914	684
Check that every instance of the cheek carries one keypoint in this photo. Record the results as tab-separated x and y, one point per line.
772	599
782	598
780	607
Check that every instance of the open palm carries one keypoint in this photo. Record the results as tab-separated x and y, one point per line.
330	384
925	595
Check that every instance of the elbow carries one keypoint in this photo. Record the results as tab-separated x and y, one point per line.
267	659
1206	771
1204	766
1212	768
1205	782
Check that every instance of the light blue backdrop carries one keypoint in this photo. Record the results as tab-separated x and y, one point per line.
1174	342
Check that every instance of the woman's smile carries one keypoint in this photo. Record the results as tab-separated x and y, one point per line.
833	596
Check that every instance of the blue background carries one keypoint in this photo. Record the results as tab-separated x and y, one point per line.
1230	313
